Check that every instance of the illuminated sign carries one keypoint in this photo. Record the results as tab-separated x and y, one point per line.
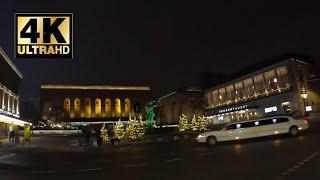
271	109
43	35
237	108
308	108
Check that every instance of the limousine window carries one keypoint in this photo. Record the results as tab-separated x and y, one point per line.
282	120
232	126
257	123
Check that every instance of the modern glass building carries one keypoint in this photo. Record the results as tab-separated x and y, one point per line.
282	87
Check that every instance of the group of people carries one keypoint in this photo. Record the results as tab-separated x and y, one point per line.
92	135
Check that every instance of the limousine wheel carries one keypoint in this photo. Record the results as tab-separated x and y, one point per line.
293	131
211	140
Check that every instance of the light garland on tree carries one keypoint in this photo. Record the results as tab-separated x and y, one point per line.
183	123
203	123
194	123
119	130
135	129
104	133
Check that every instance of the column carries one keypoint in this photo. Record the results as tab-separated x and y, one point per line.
1	97
17	106
8	103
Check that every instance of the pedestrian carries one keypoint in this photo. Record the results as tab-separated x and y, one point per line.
11	133
12	136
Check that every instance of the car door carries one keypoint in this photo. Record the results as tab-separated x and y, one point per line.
228	133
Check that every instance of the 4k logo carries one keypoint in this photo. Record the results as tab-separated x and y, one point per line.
43	35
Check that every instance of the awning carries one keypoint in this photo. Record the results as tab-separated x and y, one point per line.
14	121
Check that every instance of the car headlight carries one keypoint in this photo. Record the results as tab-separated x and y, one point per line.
200	136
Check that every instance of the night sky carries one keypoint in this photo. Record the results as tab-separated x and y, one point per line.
164	44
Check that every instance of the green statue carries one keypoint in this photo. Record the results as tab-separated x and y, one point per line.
150	115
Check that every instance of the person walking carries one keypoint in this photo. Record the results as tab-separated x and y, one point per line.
11	134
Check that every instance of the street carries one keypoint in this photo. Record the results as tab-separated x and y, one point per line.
280	157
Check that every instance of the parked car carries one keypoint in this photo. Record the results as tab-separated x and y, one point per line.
254	128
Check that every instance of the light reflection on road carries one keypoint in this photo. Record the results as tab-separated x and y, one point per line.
238	148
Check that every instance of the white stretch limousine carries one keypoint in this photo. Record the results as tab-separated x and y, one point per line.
254	128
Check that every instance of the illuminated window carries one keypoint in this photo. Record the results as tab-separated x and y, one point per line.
87	108
208	99
230	93
66	105
239	90
118	107
259	84
215	97
271	80
77	107
248	85
222	95
97	108
282	73
127	106
108	107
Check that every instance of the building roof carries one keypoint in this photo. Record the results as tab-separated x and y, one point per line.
263	65
94	87
182	89
7	59
271	61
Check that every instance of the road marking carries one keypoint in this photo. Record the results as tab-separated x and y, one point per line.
142	164
297	166
133	158
7	156
135	165
86	170
207	154
175	159
43	172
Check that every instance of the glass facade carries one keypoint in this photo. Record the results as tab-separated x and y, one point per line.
249	87
259	84
264	84
271	80
240	90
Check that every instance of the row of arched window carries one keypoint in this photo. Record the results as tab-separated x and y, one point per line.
85	109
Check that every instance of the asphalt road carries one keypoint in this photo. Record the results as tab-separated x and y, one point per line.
279	157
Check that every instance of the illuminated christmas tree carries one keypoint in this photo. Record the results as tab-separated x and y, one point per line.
119	130
183	123
194	124
135	129
202	121
104	133
141	129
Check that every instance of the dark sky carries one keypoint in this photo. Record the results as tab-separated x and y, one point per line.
164	44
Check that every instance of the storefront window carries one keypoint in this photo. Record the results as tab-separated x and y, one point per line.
240	90
222	95
249	87
230	93
259	84
286	106
282	73
271	80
